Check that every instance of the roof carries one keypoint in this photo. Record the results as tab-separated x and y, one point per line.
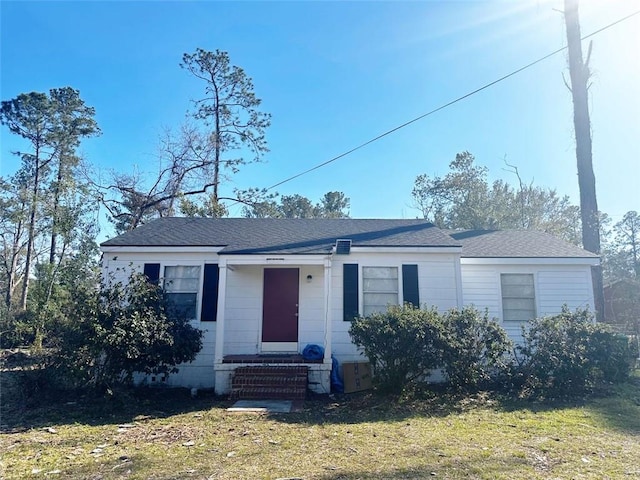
515	244
282	235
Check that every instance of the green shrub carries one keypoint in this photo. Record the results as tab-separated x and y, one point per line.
400	343
474	349
405	343
569	354
121	330
15	328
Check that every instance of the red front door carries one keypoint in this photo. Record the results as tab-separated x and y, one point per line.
280	306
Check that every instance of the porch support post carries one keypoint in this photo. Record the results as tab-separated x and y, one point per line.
327	311
222	296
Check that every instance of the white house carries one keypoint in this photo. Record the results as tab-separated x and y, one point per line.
263	289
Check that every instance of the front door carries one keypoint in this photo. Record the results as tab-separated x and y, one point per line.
280	310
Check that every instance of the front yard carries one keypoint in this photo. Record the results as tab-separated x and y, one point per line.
163	434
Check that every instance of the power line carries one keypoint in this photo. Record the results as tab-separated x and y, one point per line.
452	102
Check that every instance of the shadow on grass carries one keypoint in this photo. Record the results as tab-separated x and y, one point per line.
364	407
498	467
621	410
617	408
39	409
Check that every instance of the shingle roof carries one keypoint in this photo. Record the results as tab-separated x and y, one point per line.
516	244
285	236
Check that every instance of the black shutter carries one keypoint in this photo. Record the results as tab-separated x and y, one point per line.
350	291
210	293
152	272
410	285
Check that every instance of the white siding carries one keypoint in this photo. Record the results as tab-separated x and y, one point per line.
555	286
119	267
243	309
437	284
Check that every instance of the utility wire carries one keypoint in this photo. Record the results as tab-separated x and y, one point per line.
484	87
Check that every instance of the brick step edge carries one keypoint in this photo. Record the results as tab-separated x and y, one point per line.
269	393
269	382
271	370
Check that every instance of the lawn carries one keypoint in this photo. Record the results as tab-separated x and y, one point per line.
166	434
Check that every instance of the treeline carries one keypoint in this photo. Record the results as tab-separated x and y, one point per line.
50	207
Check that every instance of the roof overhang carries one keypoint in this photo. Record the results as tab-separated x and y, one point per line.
159	249
274	260
590	261
416	249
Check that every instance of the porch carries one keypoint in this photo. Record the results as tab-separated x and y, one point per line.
269	310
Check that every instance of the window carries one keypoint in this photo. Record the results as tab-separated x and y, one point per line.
518	297
181	288
380	288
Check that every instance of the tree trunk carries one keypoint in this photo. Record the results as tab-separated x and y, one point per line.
579	73
31	234
216	163
54	216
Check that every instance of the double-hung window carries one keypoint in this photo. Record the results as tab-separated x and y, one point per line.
379	288
518	297
181	284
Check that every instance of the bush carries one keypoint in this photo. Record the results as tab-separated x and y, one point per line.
405	343
15	328
401	344
122	330
474	349
568	354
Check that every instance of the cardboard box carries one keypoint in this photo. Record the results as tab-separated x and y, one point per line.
356	376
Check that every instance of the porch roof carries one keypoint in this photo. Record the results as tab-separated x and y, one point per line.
282	236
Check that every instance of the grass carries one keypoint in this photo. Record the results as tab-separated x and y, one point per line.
160	434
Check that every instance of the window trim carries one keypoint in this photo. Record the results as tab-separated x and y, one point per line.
399	292
532	275
200	265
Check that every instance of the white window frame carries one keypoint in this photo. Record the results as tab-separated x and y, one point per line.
398	290
198	288
532	298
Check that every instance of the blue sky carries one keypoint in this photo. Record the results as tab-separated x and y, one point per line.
336	74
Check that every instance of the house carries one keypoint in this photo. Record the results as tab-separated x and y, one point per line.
265	288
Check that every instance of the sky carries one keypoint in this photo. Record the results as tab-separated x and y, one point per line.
334	75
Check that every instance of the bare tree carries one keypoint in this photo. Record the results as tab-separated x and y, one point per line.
579	73
226	131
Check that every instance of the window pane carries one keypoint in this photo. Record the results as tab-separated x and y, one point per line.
181	278
182	304
519	304
518	291
518	297
517	279
380	272
518	315
381	285
181	285
182	271
378	302
380	288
